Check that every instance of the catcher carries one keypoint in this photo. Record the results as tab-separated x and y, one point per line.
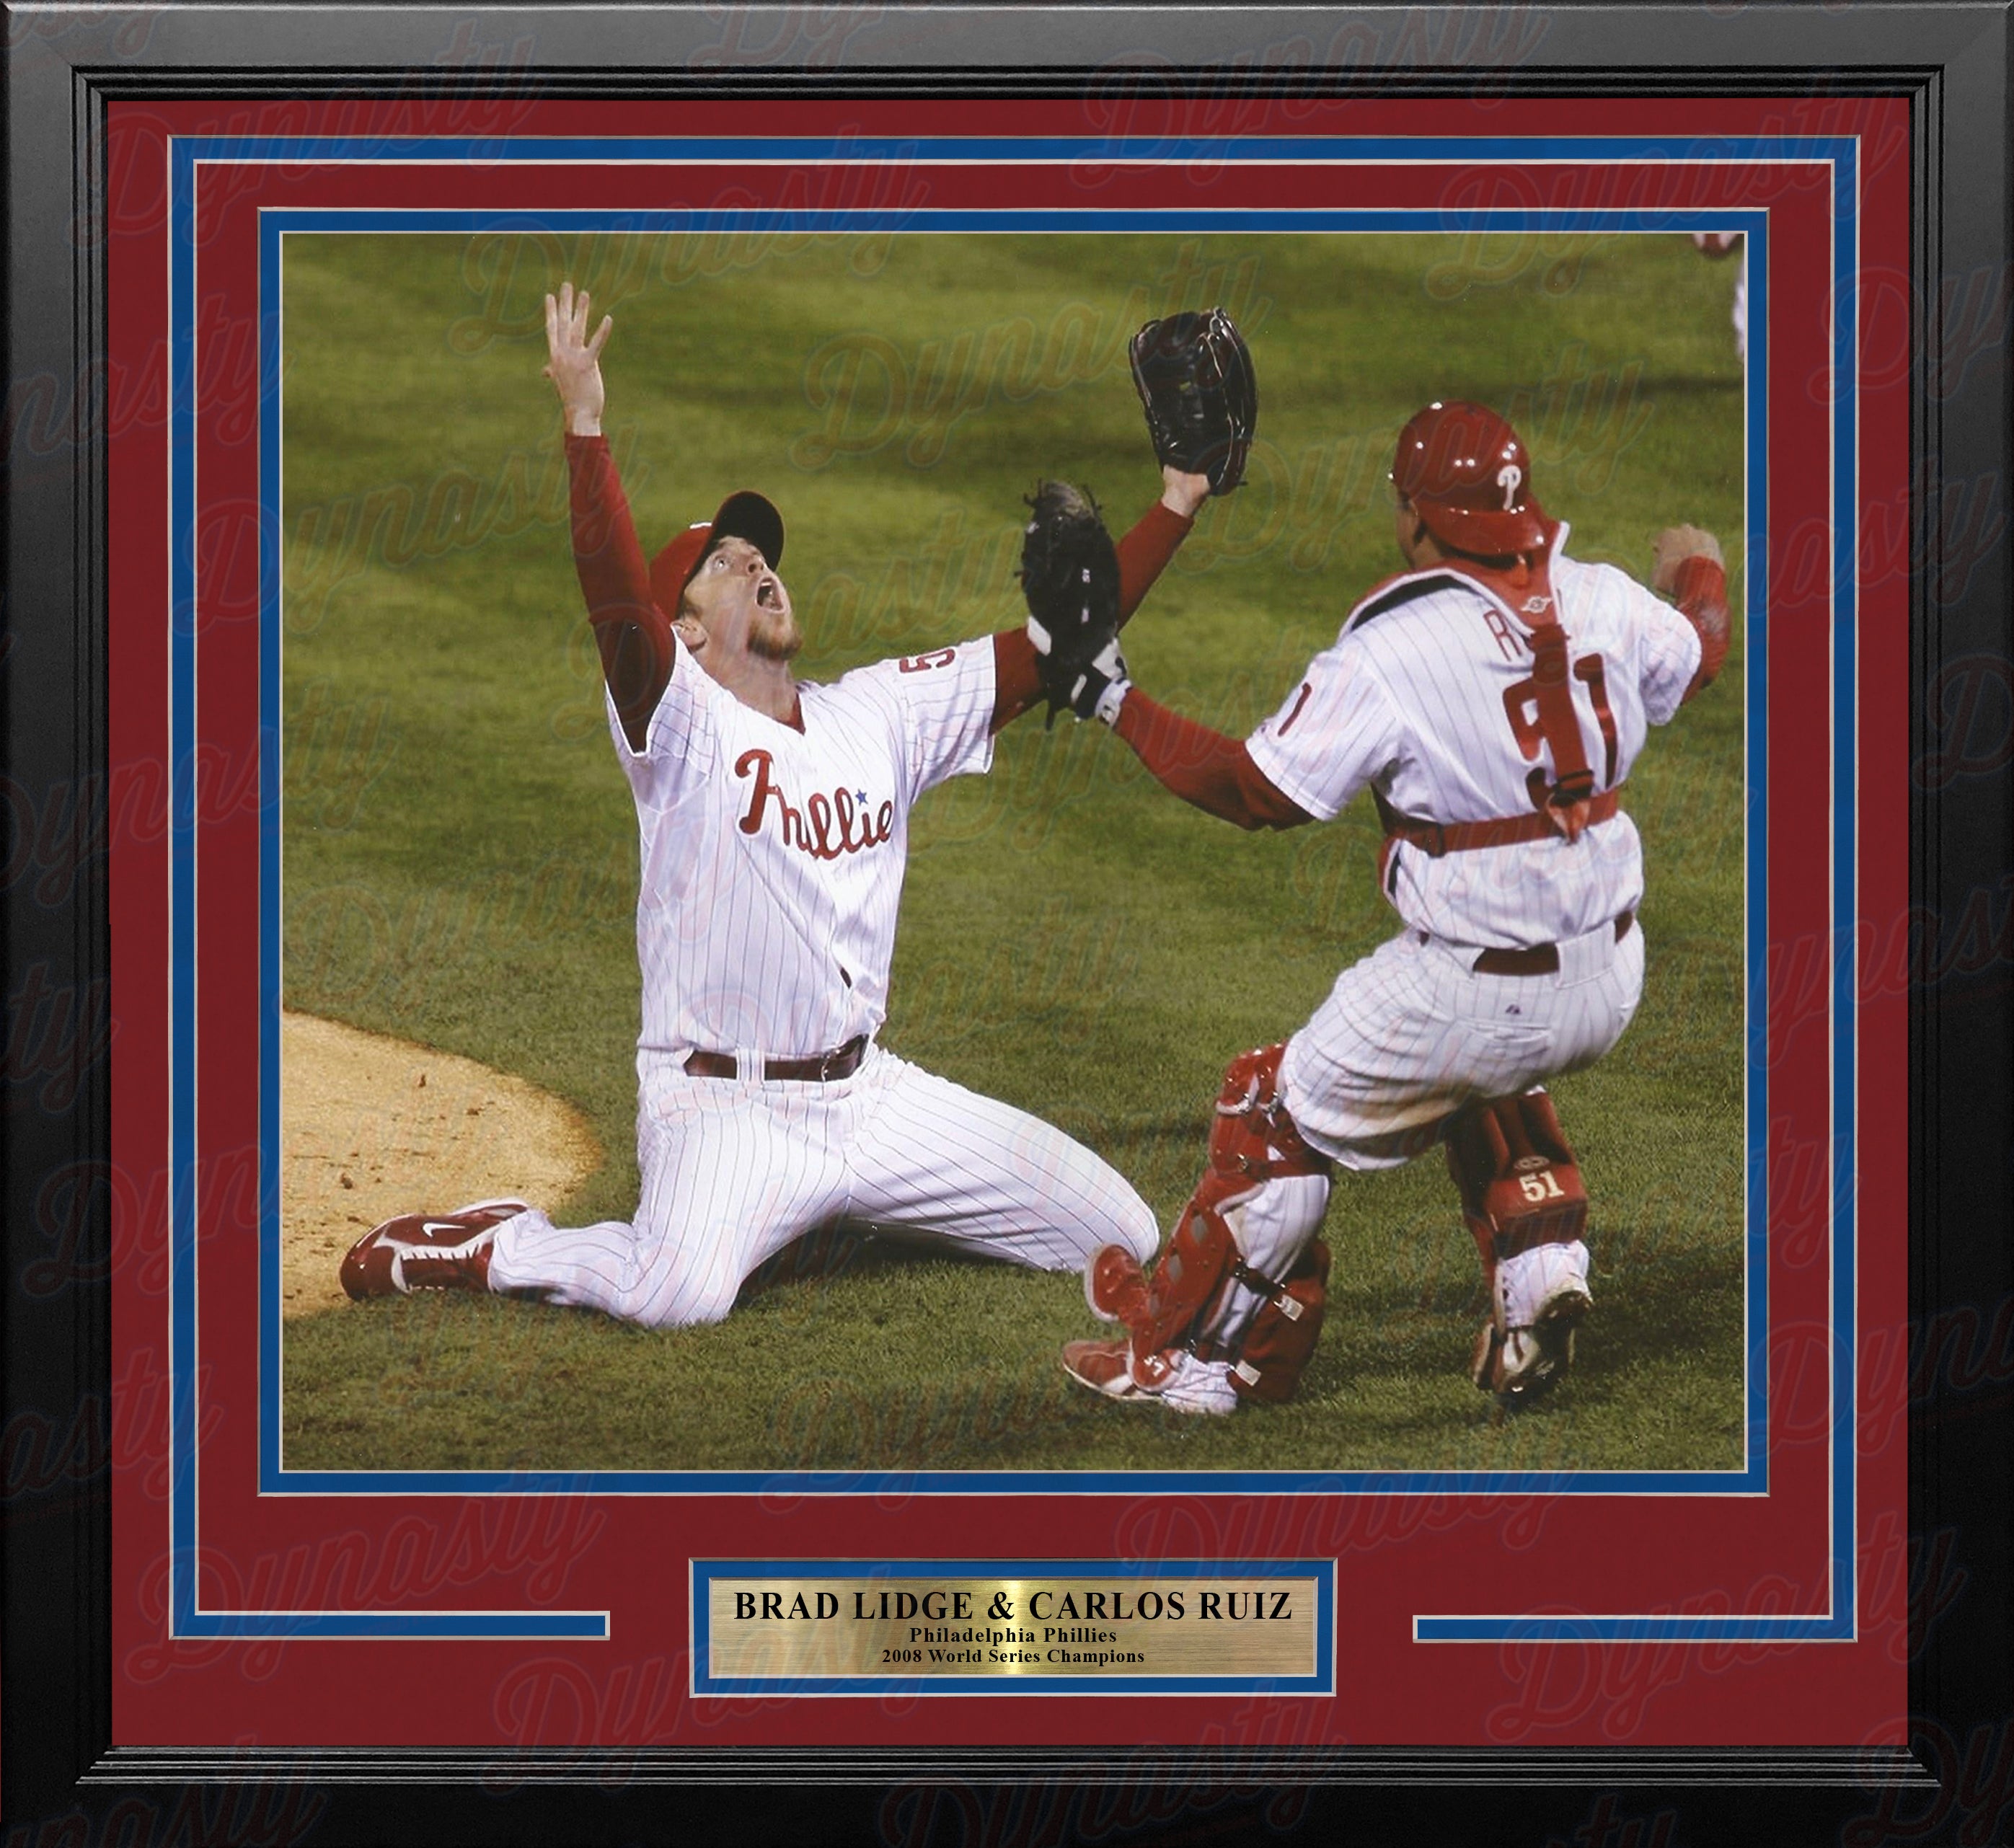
1492	697
773	815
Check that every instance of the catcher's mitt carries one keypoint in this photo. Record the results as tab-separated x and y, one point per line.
1070	574
1195	380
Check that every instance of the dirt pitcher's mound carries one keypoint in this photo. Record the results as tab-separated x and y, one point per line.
370	1127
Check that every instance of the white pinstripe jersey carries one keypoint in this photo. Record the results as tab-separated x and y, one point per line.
1427	697
772	859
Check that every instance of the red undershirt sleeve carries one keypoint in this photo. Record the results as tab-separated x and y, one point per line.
1144	554
634	636
1204	768
1701	596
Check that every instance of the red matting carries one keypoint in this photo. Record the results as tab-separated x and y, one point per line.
1398	1556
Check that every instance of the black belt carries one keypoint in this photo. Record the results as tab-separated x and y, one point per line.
1541	959
822	1069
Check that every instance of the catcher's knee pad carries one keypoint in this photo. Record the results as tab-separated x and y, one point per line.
1520	1184
1251	1134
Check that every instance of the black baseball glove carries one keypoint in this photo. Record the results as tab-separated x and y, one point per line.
1070	574
1195	380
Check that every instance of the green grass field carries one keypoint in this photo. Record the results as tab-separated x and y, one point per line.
460	847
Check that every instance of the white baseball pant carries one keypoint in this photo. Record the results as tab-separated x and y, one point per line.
1409	1034
733	1169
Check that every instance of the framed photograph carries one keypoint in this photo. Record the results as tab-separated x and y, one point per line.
1054	922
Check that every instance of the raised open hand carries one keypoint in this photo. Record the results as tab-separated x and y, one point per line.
574	359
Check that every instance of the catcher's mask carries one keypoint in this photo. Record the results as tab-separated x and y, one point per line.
1467	474
746	515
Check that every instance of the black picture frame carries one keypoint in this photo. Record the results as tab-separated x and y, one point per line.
59	1768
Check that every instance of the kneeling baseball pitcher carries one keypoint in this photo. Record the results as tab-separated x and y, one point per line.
773	819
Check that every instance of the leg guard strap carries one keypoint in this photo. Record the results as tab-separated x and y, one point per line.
1267	1364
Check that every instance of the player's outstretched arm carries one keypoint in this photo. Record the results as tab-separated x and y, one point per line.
1688	568
633	635
1203	767
1156	536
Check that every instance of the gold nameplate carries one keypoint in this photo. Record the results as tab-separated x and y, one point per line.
1126	1625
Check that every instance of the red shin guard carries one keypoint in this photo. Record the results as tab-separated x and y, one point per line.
1520	1184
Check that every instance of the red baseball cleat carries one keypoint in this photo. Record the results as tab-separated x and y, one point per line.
1183	1383
450	1251
1104	1367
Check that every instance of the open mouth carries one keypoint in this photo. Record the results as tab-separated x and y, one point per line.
766	595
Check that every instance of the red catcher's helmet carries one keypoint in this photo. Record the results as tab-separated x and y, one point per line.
1466	472
746	515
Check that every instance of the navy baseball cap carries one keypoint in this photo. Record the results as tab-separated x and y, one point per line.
745	515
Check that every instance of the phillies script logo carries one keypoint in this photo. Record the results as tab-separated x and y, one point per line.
827	826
